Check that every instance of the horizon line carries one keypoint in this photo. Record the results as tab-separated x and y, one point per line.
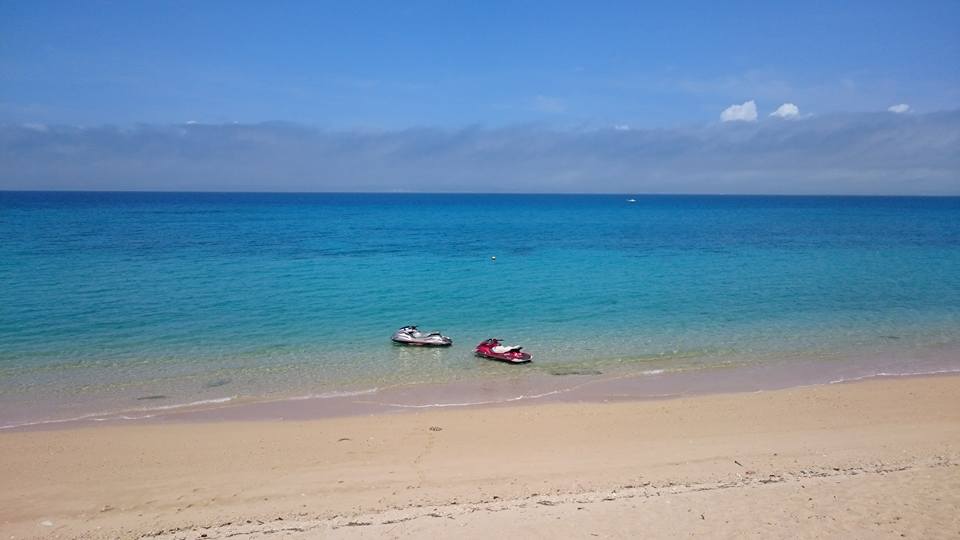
581	194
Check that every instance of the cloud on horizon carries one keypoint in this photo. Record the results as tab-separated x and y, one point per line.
899	108
872	153
747	112
787	110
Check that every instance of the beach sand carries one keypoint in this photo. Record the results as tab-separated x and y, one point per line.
873	459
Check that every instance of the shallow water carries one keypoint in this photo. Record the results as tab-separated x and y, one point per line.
110	298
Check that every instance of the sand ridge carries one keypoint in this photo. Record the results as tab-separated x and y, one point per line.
580	514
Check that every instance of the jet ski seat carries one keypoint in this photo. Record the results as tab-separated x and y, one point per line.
500	349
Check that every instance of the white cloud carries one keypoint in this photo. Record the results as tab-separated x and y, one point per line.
864	153
787	110
899	108
622	127
744	113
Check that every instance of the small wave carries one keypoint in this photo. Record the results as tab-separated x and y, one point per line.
120	415
886	374
183	405
532	396
471	403
131	414
331	395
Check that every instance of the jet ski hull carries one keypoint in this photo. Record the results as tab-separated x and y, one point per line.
488	349
423	343
517	358
409	335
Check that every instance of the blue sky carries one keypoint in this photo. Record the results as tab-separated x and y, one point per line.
358	68
401	64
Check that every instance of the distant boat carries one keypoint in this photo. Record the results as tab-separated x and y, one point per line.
631	200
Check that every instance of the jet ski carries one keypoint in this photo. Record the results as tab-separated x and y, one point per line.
491	349
409	335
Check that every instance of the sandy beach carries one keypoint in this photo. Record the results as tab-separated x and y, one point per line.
873	459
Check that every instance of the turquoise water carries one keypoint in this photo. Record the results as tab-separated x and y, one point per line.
110	298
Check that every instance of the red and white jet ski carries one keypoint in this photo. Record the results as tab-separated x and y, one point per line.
493	350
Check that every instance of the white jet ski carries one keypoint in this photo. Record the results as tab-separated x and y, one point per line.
409	335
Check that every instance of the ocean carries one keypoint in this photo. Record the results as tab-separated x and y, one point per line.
125	303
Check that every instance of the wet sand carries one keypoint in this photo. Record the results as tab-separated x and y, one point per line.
524	386
878	459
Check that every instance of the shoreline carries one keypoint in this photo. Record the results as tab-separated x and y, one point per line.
562	385
889	441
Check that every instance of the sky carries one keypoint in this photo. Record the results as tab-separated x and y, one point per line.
701	97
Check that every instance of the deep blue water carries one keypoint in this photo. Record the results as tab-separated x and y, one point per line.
107	296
